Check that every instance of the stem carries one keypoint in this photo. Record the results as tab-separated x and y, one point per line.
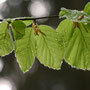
54	16
30	18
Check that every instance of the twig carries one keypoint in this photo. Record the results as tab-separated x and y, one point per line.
55	16
30	18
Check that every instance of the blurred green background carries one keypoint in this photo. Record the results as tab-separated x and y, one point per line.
40	77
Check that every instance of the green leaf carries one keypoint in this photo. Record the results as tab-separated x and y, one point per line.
6	42
27	22
49	47
87	8
65	28
18	29
74	15
76	43
25	50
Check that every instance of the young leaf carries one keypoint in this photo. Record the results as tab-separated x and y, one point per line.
18	29
6	42
25	50
74	15
77	44
87	8
49	47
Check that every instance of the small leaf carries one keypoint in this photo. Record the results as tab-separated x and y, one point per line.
18	29
74	15
6	42
49	48
76	43
25	50
87	8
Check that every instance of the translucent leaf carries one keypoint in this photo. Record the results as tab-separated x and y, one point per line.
18	29
77	44
74	15
25	50
6	42
66	29
28	22
49	47
87	8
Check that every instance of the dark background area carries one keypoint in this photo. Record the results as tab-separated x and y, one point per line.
40	77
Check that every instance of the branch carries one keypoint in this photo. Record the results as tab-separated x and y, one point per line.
54	16
30	18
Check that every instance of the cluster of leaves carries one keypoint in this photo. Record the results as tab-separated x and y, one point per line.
70	40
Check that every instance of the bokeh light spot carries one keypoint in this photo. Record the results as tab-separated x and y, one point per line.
39	8
2	1
6	85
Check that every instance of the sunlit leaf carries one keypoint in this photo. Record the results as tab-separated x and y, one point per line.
49	47
28	22
76	43
6	42
18	29
87	8
66	30
25	50
74	15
